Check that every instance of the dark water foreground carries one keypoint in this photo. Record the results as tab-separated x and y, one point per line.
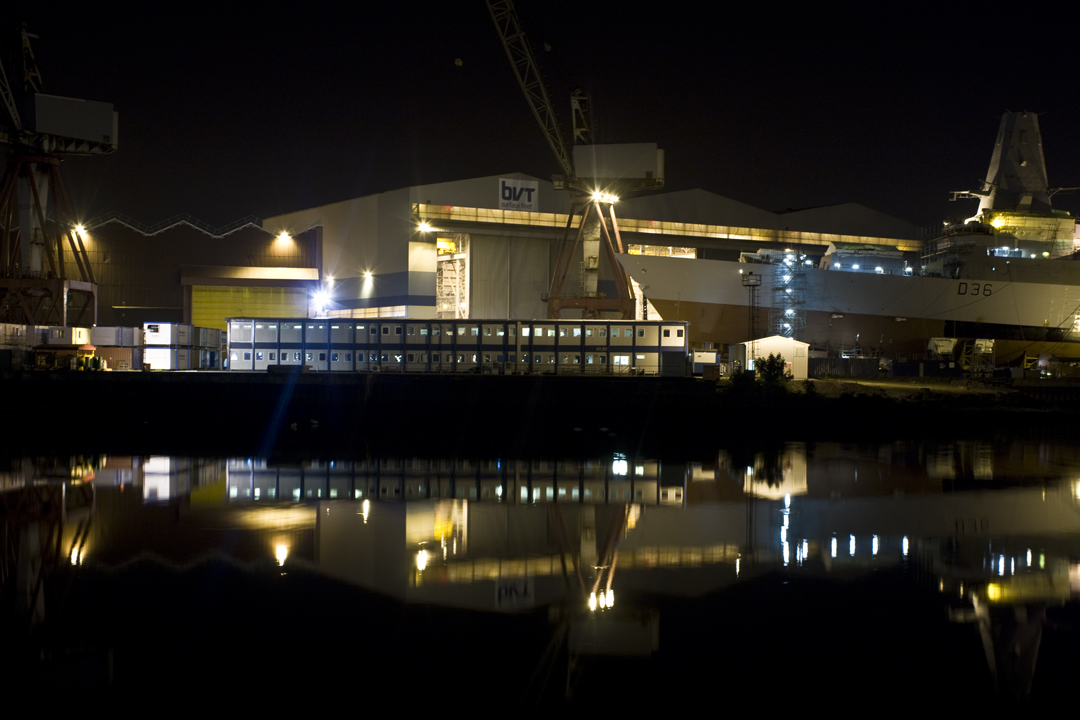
840	574
365	414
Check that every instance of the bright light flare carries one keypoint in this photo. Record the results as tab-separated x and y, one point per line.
284	237
610	598
421	560
592	601
281	552
424	227
604	197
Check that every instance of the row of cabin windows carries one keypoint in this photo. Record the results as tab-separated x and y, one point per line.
474	331
538	359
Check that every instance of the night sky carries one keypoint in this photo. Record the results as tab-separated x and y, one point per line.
227	113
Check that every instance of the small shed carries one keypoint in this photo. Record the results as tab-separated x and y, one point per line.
741	355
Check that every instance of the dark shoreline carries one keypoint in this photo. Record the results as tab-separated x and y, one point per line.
356	415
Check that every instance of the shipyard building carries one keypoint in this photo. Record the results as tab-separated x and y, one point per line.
454	251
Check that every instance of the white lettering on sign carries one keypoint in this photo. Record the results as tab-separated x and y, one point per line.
518	194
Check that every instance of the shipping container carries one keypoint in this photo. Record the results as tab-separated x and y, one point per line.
167	358
60	335
169	334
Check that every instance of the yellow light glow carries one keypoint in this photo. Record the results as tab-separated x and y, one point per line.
421	560
365	508
281	552
367	275
610	598
80	229
284	237
424	227
993	592
592	601
998	222
74	556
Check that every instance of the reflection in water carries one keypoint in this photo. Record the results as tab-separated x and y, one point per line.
995	528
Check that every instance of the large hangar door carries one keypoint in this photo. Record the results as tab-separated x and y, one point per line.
507	277
210	305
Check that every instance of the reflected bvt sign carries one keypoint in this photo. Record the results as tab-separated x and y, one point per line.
514	593
518	194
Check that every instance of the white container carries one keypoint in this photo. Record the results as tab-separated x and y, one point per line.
59	335
175	334
167	358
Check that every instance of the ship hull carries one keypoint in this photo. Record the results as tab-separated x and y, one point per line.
889	314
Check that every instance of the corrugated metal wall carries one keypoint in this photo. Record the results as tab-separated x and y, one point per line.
507	277
211	305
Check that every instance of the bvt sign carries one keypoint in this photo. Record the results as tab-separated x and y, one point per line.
514	593
518	194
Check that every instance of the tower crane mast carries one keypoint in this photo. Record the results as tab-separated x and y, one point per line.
37	131
527	71
597	230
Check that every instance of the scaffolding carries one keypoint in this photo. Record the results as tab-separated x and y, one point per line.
452	277
788	316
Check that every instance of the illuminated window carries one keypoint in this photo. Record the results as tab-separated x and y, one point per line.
536	359
296	357
577	332
423	331
258	356
603	332
588	332
525	330
562	332
308	357
551	332
588	359
487	332
577	359
501	331
475	331
551	359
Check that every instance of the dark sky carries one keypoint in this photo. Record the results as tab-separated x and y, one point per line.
227	113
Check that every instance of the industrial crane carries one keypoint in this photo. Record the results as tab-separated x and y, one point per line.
595	175
37	131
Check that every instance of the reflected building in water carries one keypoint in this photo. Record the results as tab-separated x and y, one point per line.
995	528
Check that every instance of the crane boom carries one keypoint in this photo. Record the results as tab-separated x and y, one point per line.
527	71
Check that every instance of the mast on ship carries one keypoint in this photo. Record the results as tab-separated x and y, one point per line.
1015	196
